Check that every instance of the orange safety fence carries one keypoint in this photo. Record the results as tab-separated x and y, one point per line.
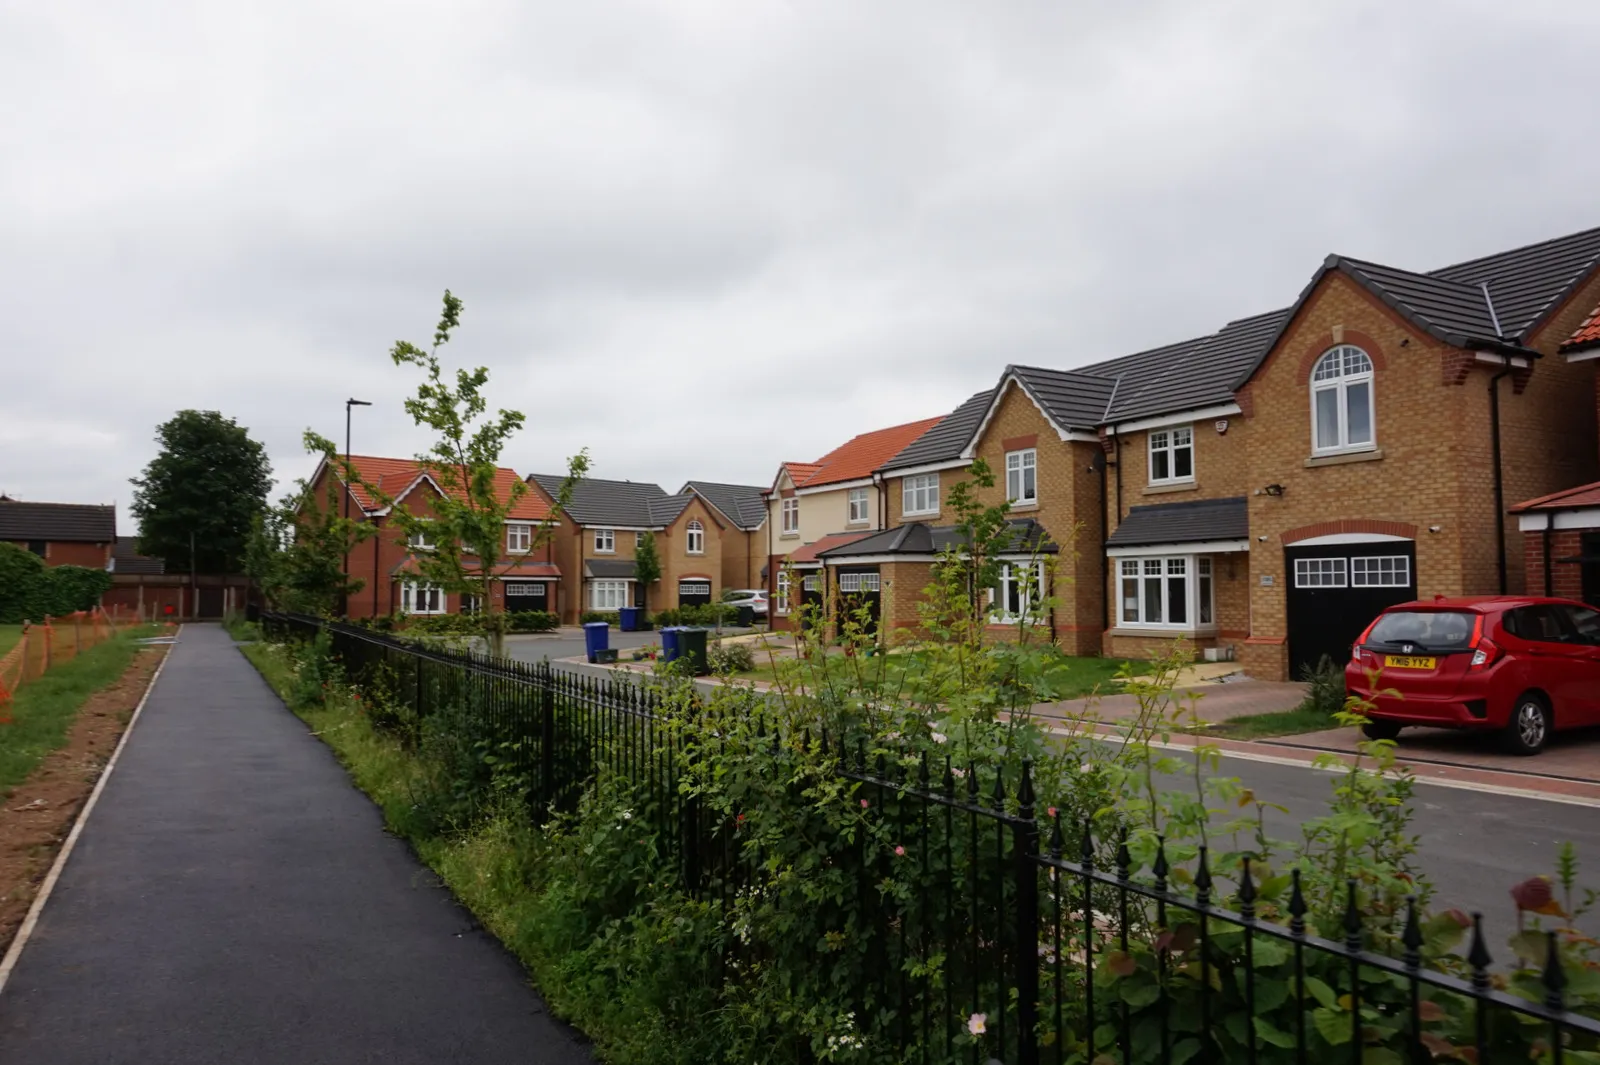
53	642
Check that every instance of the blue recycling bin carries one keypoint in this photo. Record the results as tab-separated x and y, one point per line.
669	642
596	638
628	619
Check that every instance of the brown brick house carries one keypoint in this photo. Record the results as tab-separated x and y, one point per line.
387	563
1265	489
62	534
601	530
742	511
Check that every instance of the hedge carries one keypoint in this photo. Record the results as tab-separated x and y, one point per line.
31	591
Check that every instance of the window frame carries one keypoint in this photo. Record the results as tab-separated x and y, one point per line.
519	530
857	582
1154	577
1026	463
789	512
697	581
1169	447
858	496
924	484
419	540
780	597
409	591
1339	383
694	538
617	589
1401	568
608	537
1339	568
1010	572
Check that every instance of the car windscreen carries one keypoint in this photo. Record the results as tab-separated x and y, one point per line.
1426	630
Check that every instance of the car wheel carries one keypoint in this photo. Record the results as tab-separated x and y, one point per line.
1530	726
1380	730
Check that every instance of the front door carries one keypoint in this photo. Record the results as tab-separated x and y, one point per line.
527	595
1336	590
1590	568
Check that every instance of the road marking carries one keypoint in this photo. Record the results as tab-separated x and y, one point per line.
1442	782
9	963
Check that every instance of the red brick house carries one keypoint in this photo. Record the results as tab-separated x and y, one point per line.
387	562
1561	531
1263	490
62	534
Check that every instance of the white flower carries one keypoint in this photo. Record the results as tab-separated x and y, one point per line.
978	1023
939	737
627	815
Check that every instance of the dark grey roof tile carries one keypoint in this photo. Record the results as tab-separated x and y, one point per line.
64	522
1197	521
919	538
605	504
945	441
742	504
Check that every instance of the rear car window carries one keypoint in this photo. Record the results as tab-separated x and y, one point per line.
1433	630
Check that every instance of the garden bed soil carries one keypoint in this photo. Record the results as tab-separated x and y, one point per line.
38	814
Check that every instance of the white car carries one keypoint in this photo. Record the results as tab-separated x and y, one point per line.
754	598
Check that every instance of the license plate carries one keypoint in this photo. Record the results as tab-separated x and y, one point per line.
1409	662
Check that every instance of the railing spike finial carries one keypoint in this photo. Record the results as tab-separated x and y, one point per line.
922	772
1411	938
1160	867
949	779
1202	878
824	741
1124	857
880	767
1297	904
1352	918
997	798
1247	889
1056	841
861	754
1025	796
1555	977
1086	845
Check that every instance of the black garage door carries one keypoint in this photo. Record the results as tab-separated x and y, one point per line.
527	595
1335	590
694	593
858	588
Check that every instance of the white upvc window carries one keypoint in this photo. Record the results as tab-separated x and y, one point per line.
1021	593
605	541
1172	455
1321	573
858	506
1341	401
695	540
608	595
811	582
1022	476
791	515
1381	571
419	540
471	604
419	597
519	538
859	582
782	598
920	494
1174	592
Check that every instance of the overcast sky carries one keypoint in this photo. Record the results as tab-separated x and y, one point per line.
701	238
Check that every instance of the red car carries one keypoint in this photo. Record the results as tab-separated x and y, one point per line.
1523	666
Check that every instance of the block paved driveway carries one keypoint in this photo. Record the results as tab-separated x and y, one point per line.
234	899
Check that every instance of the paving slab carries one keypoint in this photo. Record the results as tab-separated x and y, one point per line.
233	898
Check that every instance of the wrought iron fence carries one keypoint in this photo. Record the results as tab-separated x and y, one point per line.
1006	937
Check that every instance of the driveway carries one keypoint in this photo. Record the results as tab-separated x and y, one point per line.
234	899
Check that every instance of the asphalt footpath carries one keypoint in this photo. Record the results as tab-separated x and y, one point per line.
233	898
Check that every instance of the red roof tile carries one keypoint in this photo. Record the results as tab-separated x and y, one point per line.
394	476
859	456
1585	495
810	552
1587	336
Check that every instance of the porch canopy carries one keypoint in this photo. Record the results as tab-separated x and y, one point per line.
1201	526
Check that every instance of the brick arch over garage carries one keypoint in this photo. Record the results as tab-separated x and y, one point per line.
1351	525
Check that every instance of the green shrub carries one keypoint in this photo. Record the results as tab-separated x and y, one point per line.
31	591
725	657
445	625
610	617
701	614
1325	687
532	621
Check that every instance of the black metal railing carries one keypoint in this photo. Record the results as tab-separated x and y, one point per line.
992	933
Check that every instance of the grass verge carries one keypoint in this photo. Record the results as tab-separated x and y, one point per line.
42	712
1307	717
9	635
1083	675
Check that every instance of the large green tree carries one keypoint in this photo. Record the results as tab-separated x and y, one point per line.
206	487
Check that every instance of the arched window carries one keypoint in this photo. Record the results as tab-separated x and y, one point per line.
1341	400
696	538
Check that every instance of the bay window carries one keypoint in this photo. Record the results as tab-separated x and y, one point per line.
1172	455
920	494
419	597
1169	592
608	595
1022	476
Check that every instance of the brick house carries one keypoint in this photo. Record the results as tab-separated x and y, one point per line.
836	496
62	534
1561	531
1265	489
742	510
601	530
387	562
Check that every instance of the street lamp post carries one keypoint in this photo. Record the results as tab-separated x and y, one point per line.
344	597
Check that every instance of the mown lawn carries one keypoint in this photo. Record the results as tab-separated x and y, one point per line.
9	635
43	712
1304	718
